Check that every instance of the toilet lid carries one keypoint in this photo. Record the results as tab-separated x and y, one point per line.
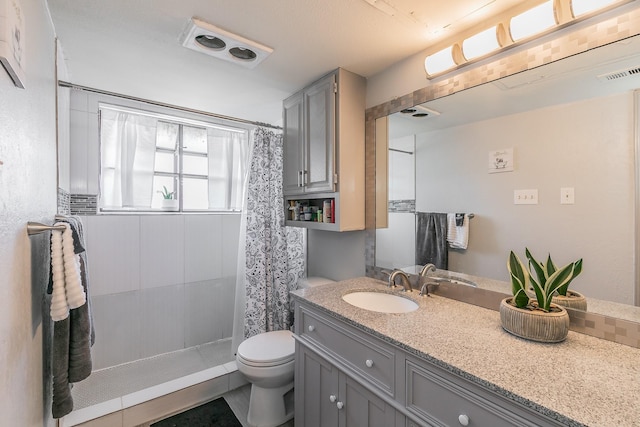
268	349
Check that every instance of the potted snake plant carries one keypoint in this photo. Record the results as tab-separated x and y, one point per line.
536	319
169	202
563	296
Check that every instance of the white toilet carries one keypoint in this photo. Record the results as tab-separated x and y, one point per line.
267	362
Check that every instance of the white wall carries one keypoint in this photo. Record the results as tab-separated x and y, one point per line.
63	113
402	168
396	244
336	256
27	193
587	145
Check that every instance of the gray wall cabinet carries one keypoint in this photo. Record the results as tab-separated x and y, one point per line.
347	377
324	150
309	138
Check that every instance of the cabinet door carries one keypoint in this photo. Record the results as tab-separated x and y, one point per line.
293	149
362	408
320	132
316	390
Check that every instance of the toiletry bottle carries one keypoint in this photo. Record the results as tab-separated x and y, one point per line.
326	211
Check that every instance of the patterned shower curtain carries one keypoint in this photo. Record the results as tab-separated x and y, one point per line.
274	254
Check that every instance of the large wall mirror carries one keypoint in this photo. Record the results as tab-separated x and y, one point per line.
571	124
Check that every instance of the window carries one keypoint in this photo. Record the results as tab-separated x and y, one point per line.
147	158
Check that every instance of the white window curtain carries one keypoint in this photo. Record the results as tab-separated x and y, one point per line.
127	149
228	159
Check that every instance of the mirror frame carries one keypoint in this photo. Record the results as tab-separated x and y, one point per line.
589	36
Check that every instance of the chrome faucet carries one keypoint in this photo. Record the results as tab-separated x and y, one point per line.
424	289
427	269
406	283
424	273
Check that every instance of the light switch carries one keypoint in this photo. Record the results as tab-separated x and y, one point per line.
567	196
525	197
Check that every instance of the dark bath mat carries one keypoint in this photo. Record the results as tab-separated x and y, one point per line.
213	414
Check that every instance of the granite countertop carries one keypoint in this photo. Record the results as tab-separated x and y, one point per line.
581	381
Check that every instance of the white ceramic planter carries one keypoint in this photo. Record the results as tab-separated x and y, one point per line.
169	204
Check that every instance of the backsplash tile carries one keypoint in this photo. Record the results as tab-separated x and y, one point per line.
64	202
402	205
83	204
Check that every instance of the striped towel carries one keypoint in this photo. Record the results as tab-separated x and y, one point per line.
457	236
68	292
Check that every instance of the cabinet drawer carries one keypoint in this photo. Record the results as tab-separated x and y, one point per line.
368	357
441	402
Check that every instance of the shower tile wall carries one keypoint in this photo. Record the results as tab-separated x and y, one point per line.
160	283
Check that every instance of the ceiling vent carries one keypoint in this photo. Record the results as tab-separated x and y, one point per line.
211	40
419	111
635	71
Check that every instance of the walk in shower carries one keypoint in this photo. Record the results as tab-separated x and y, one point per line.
162	296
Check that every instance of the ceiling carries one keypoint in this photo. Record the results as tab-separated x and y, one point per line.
133	48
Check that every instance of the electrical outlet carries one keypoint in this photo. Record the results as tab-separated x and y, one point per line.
567	196
525	197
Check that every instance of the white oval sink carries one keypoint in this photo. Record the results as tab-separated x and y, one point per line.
380	302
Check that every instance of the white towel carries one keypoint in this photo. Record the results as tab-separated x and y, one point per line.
457	237
68	292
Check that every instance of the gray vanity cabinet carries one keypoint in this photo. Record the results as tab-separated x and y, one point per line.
327	397
316	381
348	377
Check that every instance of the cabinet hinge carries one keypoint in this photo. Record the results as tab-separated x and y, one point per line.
335	178
335	87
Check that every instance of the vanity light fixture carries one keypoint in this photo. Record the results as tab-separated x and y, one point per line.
439	61
214	41
480	44
545	17
532	21
582	7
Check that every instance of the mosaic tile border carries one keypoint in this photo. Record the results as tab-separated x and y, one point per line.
84	204
64	202
402	206
620	27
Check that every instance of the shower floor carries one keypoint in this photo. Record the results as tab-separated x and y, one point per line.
132	384
121	380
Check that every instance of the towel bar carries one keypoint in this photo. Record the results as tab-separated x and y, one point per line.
471	215
37	228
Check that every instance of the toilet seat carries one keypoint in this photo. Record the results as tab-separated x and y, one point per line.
267	349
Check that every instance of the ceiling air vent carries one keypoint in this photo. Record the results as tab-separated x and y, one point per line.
619	74
214	41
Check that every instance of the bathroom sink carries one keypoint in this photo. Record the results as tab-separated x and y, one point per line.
380	302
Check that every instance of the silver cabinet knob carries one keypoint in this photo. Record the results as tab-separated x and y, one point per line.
333	398
340	405
369	363
311	328
463	420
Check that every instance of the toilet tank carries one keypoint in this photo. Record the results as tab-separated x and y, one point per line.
313	281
